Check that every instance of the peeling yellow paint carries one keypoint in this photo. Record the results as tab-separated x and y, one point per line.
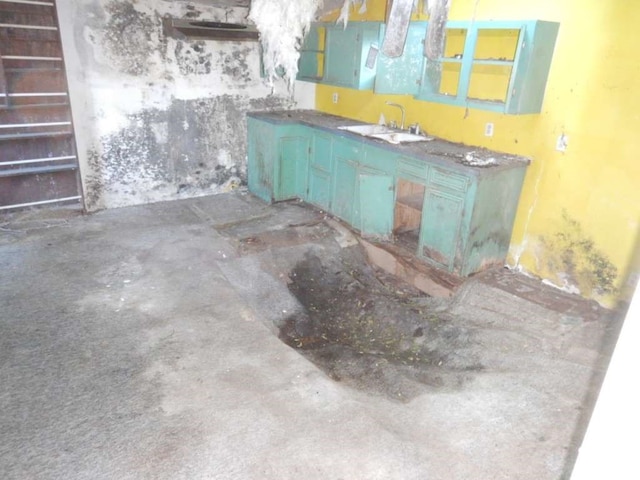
591	97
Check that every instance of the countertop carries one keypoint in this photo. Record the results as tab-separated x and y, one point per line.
442	151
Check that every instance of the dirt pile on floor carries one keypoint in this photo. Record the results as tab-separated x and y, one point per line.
372	331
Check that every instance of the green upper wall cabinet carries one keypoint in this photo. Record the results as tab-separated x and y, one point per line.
500	66
345	57
403	74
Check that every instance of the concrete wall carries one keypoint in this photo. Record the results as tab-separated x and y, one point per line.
578	218
158	118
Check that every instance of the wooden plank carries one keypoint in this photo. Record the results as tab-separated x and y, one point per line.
36	188
54	146
4	100
33	115
35	80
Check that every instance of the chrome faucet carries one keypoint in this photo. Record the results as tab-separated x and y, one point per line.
391	104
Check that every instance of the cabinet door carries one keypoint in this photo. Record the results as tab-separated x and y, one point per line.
344	186
342	55
293	153
320	170
319	188
532	65
402	75
261	158
311	63
346	157
440	230
375	203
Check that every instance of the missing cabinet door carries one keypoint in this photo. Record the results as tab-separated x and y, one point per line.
408	213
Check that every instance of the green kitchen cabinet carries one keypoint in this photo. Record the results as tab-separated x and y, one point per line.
500	66
467	219
345	57
278	159
453	216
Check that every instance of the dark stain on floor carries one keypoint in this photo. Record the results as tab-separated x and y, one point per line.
370	330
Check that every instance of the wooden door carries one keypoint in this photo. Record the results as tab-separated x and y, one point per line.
38	162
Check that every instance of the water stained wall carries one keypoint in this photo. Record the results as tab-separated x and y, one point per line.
159	118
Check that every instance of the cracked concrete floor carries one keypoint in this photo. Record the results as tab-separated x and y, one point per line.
142	343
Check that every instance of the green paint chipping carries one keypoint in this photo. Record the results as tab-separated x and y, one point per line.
573	255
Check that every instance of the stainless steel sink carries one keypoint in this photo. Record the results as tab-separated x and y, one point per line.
382	132
367	130
400	137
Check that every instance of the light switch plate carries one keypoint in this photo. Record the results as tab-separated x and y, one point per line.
488	130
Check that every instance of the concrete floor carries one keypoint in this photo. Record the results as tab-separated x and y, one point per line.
141	343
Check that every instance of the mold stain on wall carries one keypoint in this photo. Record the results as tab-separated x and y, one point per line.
164	118
578	260
193	59
127	38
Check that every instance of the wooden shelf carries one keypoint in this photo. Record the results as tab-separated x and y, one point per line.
412	201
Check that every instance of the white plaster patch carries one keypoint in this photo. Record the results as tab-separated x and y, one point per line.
282	25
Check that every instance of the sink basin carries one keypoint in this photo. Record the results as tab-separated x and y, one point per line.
382	132
367	130
400	137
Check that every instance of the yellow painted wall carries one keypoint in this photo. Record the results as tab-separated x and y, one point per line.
577	221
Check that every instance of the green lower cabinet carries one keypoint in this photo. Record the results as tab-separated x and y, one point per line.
375	203
441	225
456	218
293	166
278	159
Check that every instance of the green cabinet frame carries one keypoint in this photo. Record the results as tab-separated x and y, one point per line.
520	74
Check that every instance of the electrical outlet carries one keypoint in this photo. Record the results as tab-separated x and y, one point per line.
562	143
488	130
334	97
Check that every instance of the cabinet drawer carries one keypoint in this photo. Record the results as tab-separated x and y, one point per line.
450	180
412	167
